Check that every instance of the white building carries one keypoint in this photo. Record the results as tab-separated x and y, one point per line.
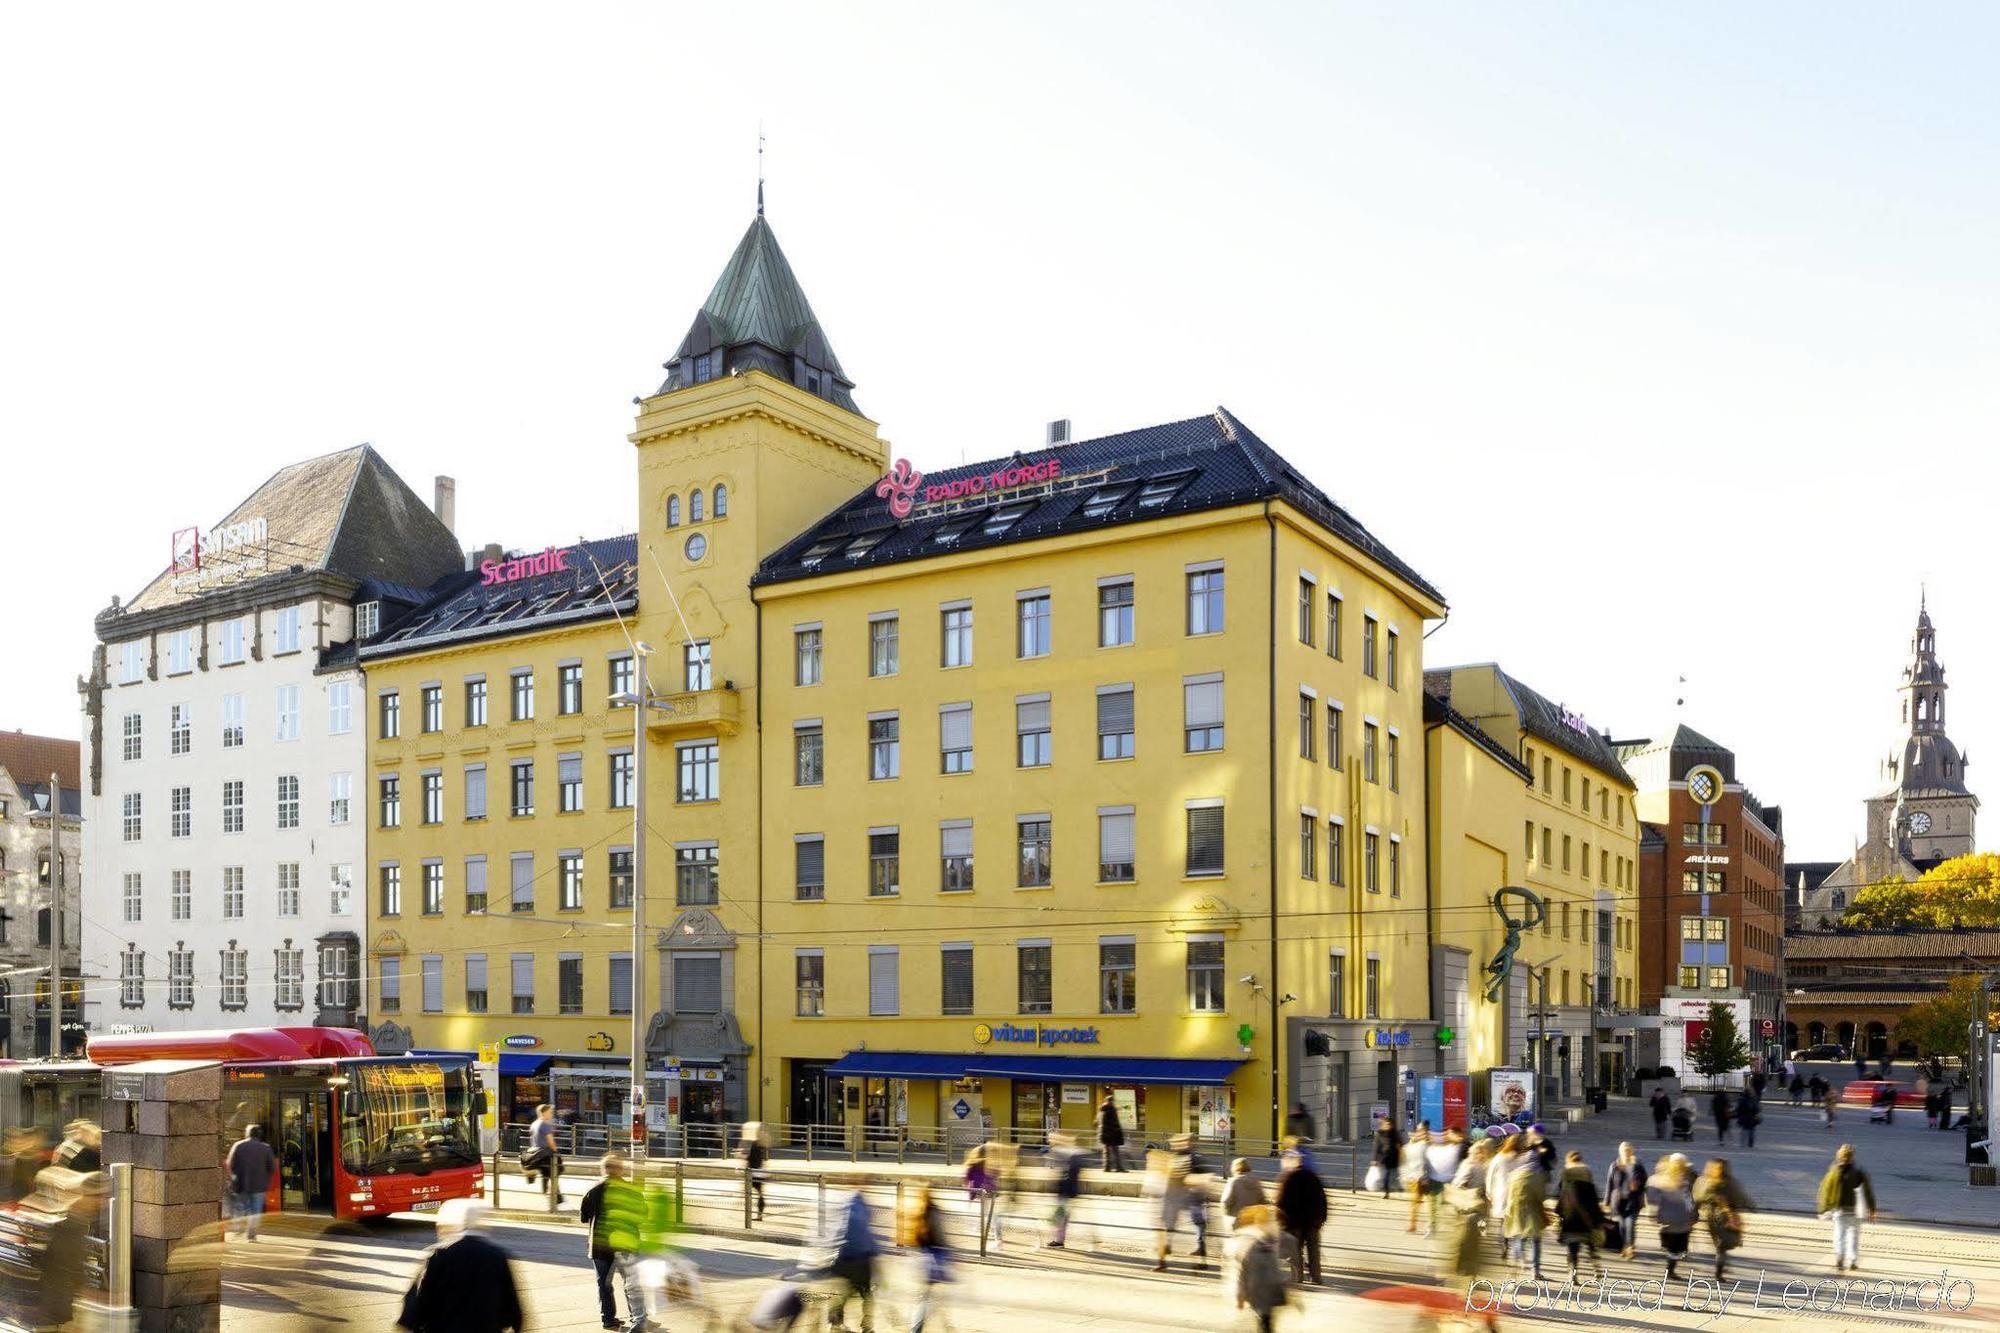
29	883
226	755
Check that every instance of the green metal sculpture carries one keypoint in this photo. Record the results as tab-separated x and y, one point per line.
1502	965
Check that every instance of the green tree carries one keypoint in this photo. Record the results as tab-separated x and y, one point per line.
1963	891
1888	904
1720	1049
1941	1024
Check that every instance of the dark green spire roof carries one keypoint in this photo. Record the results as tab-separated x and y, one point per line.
757	318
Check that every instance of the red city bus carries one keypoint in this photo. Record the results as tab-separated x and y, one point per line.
357	1134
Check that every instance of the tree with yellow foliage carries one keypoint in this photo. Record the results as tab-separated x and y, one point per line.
1963	891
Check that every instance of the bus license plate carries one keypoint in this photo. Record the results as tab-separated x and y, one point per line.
427	1206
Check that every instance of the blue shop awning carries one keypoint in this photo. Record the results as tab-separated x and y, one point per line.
897	1064
1038	1068
522	1064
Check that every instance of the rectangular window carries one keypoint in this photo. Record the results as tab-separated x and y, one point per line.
1568	775
1204	601
131	663
391	800
1395	761
885	747
1370	745
1204	839
699	772
181	904
1036	635
569	783
1202	707
955	856
619	973
367	620
235	979
180	729
231	644
475	983
569	984
1035	851
389	715
1336	853
340	889
1308	846
1395	866
133	811
1117	845
133	746
288	801
1204	975
1370	628
621	677
809	983
1336	985
1371	861
885	645
1371	989
286	631
180	652
522	967
521	787
339	708
1115	733
808	754
618	874
132	896
885	863
391	900
291	974
1117	975
180	980
1692	834
475	791
431	787
697	875
806	656
430	969
1308	726
521	884
1701	881
232	807
698	983
885	992
955	738
1333	609
475	701
1391	671
522	707
1034	740
569	881
1114	614
621	779
180	812
1034	979
955	968
809	868
232	722
431	704
697	666
569	689
957	634
433	888
475	884
1336	720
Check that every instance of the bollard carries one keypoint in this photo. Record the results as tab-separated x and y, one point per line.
680	1190
746	1194
902	1152
822	1205
985	1200
812	1132
118	1259
494	1173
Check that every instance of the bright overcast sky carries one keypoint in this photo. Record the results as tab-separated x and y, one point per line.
1660	338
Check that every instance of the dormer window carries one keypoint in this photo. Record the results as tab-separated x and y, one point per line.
866	542
703	368
820	550
1162	489
367	620
1005	517
1107	498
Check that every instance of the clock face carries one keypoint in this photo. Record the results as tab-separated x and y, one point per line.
1920	822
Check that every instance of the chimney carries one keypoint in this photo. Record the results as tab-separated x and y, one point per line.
445	506
1057	435
490	551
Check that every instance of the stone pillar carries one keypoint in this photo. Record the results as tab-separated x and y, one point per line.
165	1118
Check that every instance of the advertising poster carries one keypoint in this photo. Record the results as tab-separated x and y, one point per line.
1513	1093
1457	1096
1430	1101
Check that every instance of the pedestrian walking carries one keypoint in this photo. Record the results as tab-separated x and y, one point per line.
1860	1064
1440	1166
854	1264
1625	1197
1166	1186
1718	1110
1885	1104
1507	1159
1527	1214
1111	1134
1462	1255
1384	1156
1721	1202
249	1166
1829	1107
754	1153
1299	1124
920	1227
1541	1149
544	1154
1796	1084
1749	1115
1415	1175
1067	1161
1846	1199
1259	1275
465	1284
82	1148
1243	1191
1302	1212
1579	1213
1662	1107
614	1213
1673	1208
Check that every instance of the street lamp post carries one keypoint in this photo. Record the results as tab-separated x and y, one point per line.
639	701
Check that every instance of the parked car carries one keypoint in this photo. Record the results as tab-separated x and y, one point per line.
1863	1091
1826	1050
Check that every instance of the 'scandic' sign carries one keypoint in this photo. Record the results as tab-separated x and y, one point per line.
550	561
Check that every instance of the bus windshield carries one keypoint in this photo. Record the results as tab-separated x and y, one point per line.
406	1116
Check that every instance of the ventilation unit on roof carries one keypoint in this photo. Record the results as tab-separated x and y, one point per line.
1058	434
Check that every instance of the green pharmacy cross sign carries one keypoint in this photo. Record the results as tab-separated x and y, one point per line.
1244	1033
1444	1036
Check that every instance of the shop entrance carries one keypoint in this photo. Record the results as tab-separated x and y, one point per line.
1038	1107
810	1104
702	1116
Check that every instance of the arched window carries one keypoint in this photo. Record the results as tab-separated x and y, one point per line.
694	505
673	511
721	500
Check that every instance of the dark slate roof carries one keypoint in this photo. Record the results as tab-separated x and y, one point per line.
1543	720
1211	462
1814	873
1651	838
758	317
1439	713
37	795
460	610
1684	739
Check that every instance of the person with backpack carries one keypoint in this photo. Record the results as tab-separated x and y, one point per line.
1846	1199
1721	1201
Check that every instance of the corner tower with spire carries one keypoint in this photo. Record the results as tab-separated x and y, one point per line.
1924	813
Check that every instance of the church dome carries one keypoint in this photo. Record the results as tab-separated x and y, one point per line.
1929	763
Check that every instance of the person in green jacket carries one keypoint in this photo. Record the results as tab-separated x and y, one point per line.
1845	1199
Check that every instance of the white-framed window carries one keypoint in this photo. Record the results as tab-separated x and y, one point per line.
132	978
430	708
180	652
475	701
1116	738
475	983
1204	837
808	867
1205	974
1336	983
1391	667
521	698
1117	844
180	812
1336	735
1204	599
389	793
1117	974
1308	845
808	753
475	884
288	712
367	620
956	632
1371	745
288	888
333	971
389	889
569	783
388	715
475	791
1371	987
339	798
1336	852
885	643
1035	835
1334	606
809	982
288	800
134	739
885	746
885	992
1034	624
955	738
290	992
699	771
697	874
340	889
131	663
520	787
1308	608
521	884
1201	698
1371	629
1308	725
1371	860
180	728
180	901
621	676
133	810
285	634
806	650
232	893
697	666
232	722
619	972
340	708
231	641
1034	723
885	862
698	983
621	775
134	897
232	806
389	984
1114	613
1034	976
180	979
430	789
955	856
1394	754
432	892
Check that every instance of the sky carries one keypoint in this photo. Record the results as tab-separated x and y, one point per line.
1660	338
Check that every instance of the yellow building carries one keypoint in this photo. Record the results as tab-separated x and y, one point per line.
499	814
1524	792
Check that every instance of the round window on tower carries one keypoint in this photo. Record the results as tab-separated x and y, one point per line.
697	547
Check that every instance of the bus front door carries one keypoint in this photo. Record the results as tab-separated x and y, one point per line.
302	1153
